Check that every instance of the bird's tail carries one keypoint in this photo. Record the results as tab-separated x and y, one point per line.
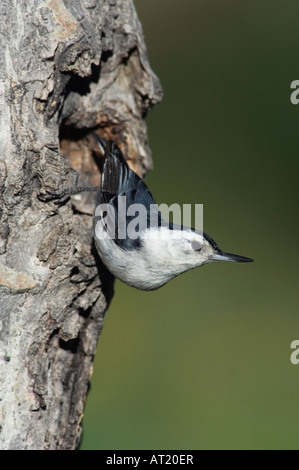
116	172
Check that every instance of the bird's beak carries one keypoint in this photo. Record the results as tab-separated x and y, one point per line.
222	256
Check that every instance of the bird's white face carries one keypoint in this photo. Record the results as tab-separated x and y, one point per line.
197	249
178	250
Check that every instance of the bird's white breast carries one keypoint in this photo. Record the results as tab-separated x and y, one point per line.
158	260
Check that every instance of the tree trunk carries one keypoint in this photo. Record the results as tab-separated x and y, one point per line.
66	68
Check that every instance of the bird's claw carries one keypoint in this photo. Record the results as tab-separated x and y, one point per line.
58	197
48	196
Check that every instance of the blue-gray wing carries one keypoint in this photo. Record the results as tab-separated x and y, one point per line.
132	202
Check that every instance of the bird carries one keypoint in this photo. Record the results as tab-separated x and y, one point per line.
145	252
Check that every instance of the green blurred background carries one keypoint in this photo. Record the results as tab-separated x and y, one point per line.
204	362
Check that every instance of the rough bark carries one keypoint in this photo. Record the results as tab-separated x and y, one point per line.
66	68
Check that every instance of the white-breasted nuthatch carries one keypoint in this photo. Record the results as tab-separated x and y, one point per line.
159	250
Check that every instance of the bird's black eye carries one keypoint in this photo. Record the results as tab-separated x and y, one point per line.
196	246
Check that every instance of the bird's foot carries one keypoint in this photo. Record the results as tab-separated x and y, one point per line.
60	196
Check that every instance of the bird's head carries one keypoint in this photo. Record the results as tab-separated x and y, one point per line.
202	249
